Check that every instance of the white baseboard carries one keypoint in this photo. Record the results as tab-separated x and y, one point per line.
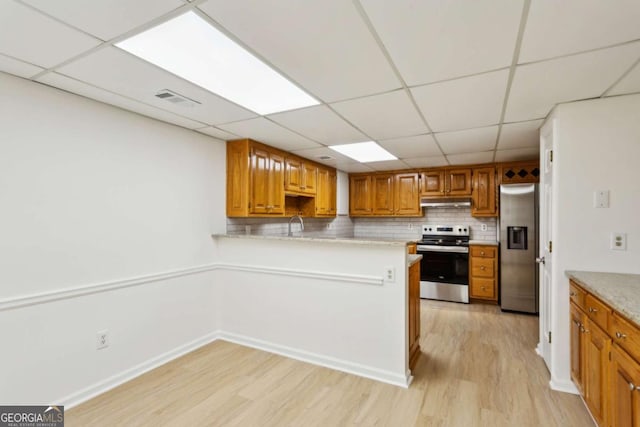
94	390
563	385
319	359
539	350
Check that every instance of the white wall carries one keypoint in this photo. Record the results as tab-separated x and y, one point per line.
91	194
596	147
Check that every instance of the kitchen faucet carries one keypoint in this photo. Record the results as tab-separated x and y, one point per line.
290	234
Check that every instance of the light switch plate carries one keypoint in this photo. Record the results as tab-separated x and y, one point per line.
601	199
619	241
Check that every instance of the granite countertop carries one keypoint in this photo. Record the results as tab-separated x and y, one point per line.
484	242
620	291
413	258
329	239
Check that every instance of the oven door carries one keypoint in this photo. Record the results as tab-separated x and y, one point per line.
444	273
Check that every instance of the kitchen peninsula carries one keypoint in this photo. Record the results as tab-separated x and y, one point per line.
340	302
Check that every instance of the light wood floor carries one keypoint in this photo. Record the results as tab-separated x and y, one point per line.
478	368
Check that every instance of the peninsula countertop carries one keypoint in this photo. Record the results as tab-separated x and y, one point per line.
620	291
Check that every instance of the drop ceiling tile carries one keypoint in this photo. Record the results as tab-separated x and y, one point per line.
86	90
517	154
412	146
18	68
463	103
320	124
427	162
319	155
538	87
390	115
520	135
269	133
556	28
387	165
468	141
471	158
117	71
37	39
218	133
353	167
431	40
336	57
105	19
629	84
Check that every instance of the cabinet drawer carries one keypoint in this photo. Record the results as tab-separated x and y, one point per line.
577	295
483	251
597	311
482	267
625	334
483	288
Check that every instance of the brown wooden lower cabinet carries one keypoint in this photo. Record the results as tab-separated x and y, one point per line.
414	314
605	360
483	273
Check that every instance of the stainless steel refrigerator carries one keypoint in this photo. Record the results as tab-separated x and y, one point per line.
519	247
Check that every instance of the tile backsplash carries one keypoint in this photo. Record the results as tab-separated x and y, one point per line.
345	226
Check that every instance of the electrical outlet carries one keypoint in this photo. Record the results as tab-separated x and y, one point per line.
601	199
389	274
483	227
410	226
619	241
102	339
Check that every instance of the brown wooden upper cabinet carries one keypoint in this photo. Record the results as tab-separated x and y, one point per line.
300	176
484	194
256	184
449	182
384	194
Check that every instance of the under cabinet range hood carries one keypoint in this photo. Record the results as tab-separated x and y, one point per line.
445	203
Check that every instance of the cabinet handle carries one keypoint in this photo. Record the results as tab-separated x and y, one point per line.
573	294
483	288
632	386
620	335
482	267
578	324
593	310
482	253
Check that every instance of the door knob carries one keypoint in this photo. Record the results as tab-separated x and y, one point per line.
540	260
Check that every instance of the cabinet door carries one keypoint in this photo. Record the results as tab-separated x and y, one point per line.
484	192
309	178
596	370
237	179
407	194
458	182
482	288
260	173
276	184
293	174
382	194
432	183
624	390
332	194
360	195
322	192
414	314
577	361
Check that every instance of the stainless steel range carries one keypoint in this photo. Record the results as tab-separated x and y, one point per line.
444	269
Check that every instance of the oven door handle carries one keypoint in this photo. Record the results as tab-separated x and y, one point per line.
452	249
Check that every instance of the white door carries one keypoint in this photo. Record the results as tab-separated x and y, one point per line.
545	245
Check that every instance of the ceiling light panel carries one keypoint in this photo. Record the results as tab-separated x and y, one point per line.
106	19
270	133
431	40
32	37
364	152
325	46
556	28
191	48
117	71
463	103
390	115
539	86
468	141
520	135
320	124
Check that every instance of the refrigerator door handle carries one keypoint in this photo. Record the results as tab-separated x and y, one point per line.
540	260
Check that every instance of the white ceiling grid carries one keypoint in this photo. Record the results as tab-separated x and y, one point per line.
435	83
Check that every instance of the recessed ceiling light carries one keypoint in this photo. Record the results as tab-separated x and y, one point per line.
191	48
364	152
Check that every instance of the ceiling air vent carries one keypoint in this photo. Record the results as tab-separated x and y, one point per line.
177	99
325	157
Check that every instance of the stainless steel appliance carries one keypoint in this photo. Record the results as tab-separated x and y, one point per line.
444	269
519	247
